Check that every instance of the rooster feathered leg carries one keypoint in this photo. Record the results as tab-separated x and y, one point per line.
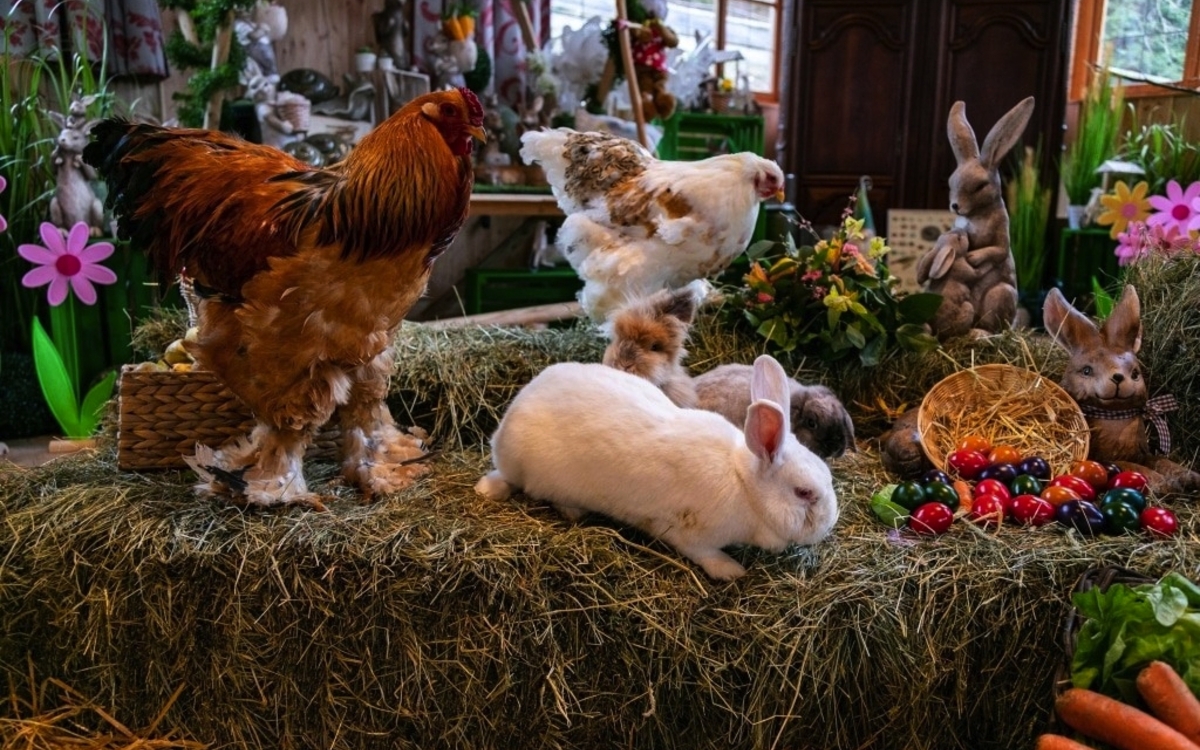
376	456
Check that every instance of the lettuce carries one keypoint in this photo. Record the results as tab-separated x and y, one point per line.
1126	627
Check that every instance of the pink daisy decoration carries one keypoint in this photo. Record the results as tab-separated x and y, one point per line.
69	262
3	222
1175	209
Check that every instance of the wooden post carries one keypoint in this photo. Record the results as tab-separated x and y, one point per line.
635	96
212	113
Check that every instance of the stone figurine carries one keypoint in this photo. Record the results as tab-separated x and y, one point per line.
392	31
74	200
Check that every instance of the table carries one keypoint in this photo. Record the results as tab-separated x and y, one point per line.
514	204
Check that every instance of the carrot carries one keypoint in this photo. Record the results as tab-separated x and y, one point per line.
452	28
964	495
1171	700
1117	723
1058	742
468	26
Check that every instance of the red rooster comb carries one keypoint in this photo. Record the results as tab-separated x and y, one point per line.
474	108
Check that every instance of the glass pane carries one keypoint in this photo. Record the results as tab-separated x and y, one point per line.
575	13
691	18
750	28
1148	38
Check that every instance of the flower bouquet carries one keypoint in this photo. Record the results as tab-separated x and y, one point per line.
832	299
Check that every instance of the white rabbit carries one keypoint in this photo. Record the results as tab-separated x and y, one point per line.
819	420
590	438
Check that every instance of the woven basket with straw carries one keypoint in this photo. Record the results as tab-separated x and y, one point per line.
1007	405
163	414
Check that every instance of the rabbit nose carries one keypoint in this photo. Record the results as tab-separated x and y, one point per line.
1118	378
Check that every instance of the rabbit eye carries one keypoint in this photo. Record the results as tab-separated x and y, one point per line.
811	423
1136	374
656	347
803	493
1087	370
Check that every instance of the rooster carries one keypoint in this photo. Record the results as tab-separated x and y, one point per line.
304	276
636	224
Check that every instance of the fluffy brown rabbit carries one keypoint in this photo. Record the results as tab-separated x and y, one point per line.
1104	376
978	281
819	421
647	340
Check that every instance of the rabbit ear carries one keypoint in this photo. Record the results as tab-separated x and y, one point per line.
769	382
765	429
943	258
1070	329
679	303
1005	133
962	137
1123	327
58	119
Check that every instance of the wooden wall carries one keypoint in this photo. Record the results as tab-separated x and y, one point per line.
321	35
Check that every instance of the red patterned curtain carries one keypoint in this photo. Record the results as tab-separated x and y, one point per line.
497	32
131	30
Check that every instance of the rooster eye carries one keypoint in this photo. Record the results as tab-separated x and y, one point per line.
1087	370
448	110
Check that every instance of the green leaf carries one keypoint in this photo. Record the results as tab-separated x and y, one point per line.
855	337
919	308
93	404
914	338
885	510
832	314
760	248
1103	300
870	354
56	385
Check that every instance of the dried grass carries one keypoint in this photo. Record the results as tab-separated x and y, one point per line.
433	618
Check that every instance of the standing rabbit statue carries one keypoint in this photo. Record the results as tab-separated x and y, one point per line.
971	265
1106	379
74	200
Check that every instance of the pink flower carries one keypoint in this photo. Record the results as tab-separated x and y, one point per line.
1176	208
67	262
819	292
812	275
3	223
1140	240
764	298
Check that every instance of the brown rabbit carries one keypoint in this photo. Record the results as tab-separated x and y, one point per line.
1104	376
978	285
647	341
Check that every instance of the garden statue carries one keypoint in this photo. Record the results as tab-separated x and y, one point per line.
257	31
74	200
282	115
971	265
391	31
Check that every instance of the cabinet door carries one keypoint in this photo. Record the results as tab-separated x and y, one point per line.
871	82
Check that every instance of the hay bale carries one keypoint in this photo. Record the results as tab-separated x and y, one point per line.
1169	290
433	618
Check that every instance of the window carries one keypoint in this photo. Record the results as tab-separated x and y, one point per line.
1148	42
749	26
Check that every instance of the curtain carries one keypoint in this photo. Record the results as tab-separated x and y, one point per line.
497	33
131	29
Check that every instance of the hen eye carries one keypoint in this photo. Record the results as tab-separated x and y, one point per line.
448	110
1087	370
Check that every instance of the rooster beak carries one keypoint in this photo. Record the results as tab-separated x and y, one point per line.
780	196
478	133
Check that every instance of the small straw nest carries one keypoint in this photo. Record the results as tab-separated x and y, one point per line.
1006	405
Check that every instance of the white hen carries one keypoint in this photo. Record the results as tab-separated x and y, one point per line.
636	224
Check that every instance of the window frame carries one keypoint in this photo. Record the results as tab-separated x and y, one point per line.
1089	27
722	11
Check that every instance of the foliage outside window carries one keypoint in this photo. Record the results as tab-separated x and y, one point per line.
1154	43
749	26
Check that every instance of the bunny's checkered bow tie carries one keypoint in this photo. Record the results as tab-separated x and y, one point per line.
1154	412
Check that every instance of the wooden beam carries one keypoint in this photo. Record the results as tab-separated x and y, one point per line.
524	316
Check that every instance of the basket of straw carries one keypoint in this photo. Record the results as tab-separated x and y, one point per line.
1007	405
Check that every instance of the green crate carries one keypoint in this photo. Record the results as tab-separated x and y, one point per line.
691	136
491	290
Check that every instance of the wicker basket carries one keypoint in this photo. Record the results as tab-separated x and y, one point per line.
163	414
972	402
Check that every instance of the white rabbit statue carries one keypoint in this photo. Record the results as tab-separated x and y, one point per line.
972	266
74	200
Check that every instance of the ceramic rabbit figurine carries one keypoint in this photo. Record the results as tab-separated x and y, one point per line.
971	266
1104	376
74	200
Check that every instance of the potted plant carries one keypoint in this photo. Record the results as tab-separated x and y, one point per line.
1028	203
1162	150
1095	141
364	59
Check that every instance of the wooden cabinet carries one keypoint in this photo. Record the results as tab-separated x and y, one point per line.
869	84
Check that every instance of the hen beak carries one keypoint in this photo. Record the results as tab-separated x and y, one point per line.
780	195
478	133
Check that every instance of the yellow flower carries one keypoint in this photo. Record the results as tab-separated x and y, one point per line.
1124	207
835	301
854	227
878	248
